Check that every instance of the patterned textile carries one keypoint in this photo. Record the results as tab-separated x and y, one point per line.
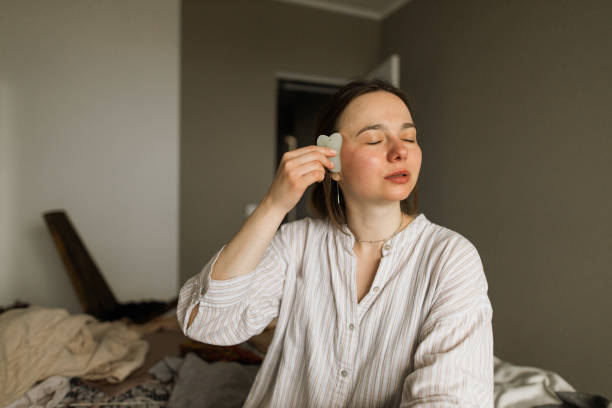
150	394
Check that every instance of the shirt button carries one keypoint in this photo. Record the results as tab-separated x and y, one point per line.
343	373
375	288
387	247
351	326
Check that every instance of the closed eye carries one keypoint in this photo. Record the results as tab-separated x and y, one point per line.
405	140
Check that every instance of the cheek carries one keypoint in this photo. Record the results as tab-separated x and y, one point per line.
356	163
416	157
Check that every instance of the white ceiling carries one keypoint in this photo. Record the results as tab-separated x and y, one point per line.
372	9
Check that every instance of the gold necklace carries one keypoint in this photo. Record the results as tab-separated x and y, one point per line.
384	239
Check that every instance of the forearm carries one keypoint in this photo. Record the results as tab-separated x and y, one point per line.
248	246
298	170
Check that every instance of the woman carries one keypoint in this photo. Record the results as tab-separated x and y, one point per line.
376	305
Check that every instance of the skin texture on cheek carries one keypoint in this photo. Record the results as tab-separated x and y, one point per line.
360	170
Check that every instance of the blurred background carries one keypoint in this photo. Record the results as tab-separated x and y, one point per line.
158	126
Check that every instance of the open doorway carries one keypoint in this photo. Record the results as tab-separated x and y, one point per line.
298	104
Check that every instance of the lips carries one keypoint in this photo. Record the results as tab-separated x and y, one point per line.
398	173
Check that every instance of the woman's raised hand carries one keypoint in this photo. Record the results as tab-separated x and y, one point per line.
297	170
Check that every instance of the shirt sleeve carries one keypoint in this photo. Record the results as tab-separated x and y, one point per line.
453	362
232	311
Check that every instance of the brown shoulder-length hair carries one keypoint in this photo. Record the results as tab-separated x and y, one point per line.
323	199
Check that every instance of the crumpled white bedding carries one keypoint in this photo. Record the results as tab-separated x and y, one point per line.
526	387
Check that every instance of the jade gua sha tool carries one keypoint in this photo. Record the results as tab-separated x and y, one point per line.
333	142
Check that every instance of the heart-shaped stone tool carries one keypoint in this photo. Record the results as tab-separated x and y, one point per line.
333	142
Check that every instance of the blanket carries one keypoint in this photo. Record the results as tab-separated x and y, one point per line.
37	343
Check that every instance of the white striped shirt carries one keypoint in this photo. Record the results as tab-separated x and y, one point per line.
421	337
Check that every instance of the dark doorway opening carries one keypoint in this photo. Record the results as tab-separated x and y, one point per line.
298	104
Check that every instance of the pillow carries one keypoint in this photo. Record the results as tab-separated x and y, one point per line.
215	385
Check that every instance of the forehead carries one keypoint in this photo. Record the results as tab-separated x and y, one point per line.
378	105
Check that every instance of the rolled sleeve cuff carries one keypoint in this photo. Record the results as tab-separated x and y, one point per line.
225	292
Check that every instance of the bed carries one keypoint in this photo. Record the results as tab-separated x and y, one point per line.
175	371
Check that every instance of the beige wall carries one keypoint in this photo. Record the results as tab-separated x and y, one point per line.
231	51
89	123
513	105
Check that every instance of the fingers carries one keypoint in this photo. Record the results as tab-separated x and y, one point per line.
308	149
318	155
303	155
314	176
308	167
298	169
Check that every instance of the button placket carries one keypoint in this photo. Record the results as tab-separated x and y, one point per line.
348	358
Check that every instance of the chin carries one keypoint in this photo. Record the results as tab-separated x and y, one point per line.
401	195
396	197
401	198
385	196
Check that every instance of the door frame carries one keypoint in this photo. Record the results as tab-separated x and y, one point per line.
316	79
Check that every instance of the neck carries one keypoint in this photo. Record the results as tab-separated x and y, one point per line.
375	224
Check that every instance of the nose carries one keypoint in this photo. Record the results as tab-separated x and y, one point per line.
397	150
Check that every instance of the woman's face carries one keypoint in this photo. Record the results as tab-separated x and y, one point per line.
378	138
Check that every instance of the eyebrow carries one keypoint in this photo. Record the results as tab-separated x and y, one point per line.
377	126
